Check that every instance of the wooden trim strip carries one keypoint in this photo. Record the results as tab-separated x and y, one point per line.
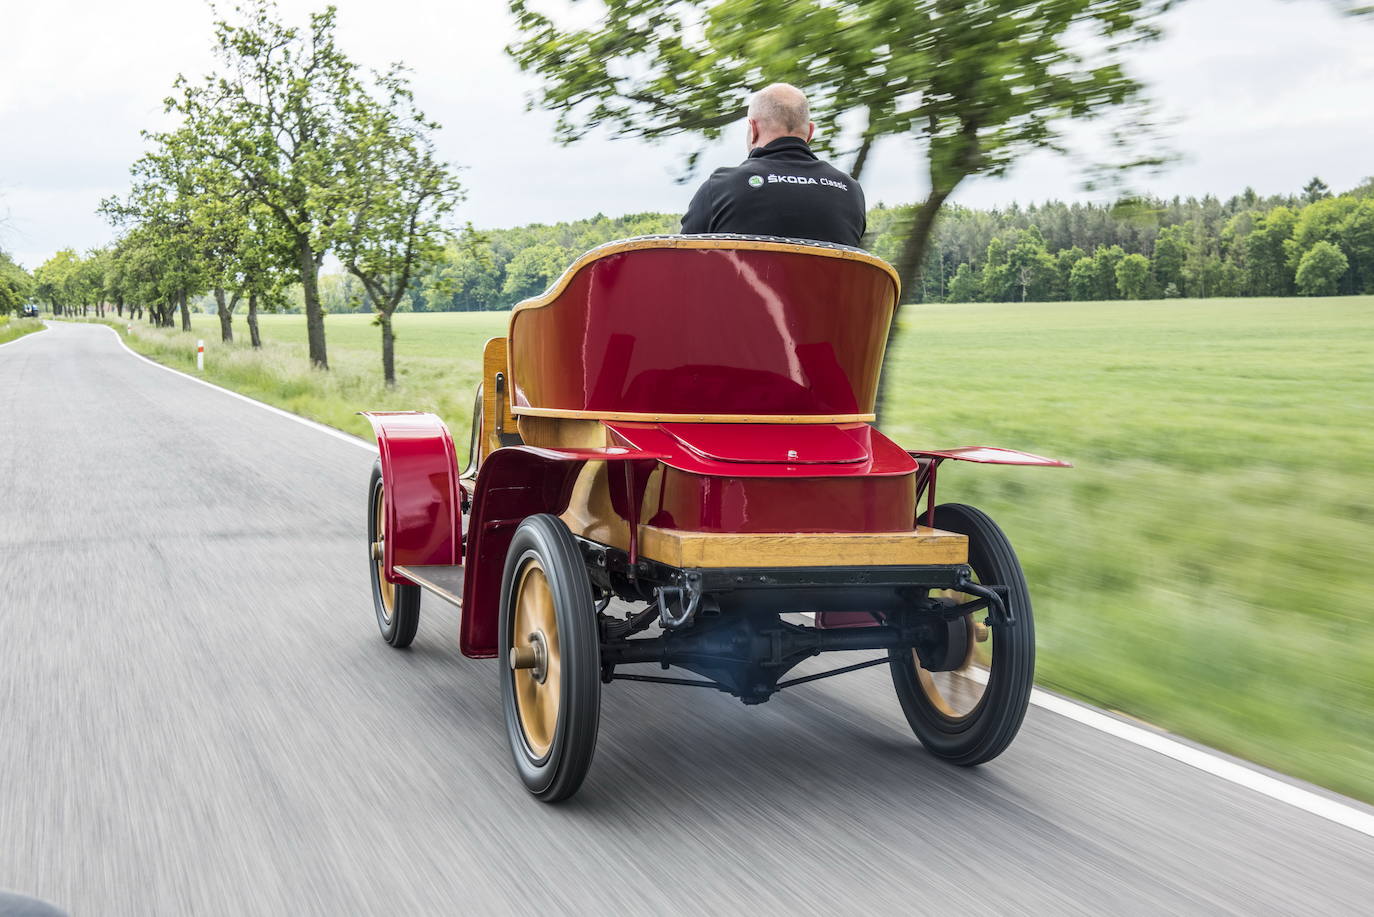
633	416
802	549
705	242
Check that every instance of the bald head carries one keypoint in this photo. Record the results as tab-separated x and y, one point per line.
779	110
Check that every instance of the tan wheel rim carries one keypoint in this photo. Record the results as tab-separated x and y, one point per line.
537	690
386	589
956	694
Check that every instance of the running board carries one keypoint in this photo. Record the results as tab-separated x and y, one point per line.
444	581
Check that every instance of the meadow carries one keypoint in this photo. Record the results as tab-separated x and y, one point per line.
1201	568
13	328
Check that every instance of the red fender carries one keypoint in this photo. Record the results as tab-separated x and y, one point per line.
424	523
512	484
930	460
989	455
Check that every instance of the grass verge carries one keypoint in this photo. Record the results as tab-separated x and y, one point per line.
1203	567
14	328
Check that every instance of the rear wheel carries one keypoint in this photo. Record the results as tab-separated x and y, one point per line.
397	605
551	665
970	713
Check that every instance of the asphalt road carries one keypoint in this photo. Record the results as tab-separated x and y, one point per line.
198	717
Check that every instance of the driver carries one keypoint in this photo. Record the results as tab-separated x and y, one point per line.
782	189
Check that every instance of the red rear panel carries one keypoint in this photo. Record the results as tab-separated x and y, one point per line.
681	330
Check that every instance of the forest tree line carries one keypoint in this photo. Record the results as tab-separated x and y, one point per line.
1308	243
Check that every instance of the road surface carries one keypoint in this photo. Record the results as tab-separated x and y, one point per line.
197	716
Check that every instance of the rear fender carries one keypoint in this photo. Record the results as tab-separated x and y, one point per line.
929	461
424	523
514	483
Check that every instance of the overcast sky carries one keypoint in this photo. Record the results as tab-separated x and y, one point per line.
1265	93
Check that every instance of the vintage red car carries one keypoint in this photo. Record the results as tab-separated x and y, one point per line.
674	463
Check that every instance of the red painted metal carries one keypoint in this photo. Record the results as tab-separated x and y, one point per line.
775	444
717	331
512	484
760	450
719	503
424	524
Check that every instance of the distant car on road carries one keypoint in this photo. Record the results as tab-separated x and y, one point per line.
30	310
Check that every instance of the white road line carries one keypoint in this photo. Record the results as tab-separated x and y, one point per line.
1279	790
329	431
1208	762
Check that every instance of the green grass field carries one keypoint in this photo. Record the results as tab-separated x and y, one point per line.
12	328
1202	568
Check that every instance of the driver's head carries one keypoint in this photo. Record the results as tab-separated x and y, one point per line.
779	110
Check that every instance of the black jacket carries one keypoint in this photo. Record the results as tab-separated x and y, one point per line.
782	189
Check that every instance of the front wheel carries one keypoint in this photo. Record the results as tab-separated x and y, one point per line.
397	605
550	659
970	714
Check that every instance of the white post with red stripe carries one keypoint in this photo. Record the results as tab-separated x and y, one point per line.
200	356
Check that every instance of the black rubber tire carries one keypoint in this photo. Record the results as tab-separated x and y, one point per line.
986	730
398	629
559	773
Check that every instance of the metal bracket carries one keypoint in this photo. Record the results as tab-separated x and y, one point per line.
999	609
688	600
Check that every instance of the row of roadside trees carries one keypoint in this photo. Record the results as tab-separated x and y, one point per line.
1320	248
287	153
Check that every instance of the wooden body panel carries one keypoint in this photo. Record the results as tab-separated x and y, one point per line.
802	549
495	397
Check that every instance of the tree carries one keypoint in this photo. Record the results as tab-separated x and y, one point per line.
1321	269
1133	276
1105	261
977	85
1170	254
964	286
1033	269
16	286
1083	281
533	268
1266	262
56	282
275	119
397	195
1315	190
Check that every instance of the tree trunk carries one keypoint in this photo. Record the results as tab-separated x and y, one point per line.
388	348
314	313
253	320
909	263
185	312
861	157
226	317
119	306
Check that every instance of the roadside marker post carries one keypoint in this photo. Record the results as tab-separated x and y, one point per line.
129	330
200	356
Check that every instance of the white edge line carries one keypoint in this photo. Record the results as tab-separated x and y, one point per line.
1205	761
1208	762
314	425
31	334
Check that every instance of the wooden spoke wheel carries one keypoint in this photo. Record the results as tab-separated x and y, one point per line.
551	665
397	606
970	712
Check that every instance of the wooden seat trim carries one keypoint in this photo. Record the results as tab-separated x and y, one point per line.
629	245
